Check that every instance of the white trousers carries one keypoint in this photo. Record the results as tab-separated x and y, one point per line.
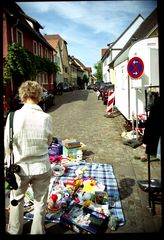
40	186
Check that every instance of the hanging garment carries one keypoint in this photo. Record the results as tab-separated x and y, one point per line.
151	99
152	130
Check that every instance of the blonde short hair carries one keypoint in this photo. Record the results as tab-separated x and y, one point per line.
30	89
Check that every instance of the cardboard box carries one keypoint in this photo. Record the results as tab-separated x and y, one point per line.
72	144
70	152
84	220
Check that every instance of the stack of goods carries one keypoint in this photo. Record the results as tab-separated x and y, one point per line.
55	150
68	151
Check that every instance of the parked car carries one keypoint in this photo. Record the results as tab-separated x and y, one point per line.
59	88
48	100
90	86
97	85
71	88
104	93
102	85
66	87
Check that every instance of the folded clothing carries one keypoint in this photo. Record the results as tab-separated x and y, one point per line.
134	143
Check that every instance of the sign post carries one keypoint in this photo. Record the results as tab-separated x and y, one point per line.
135	69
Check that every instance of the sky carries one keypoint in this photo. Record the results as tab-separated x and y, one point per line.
87	26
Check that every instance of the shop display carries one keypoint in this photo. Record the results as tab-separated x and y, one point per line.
96	191
79	219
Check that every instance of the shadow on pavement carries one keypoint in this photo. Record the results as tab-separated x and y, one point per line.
51	228
69	97
87	153
125	188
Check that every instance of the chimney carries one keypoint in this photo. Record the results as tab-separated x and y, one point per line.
103	51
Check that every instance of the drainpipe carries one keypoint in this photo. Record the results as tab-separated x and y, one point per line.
12	40
4	39
128	97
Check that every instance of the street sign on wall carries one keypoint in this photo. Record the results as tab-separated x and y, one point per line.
135	67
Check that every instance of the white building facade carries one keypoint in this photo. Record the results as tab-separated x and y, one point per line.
130	92
116	47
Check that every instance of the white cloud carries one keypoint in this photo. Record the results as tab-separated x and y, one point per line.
101	16
87	26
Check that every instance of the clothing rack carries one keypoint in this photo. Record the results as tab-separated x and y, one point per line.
158	188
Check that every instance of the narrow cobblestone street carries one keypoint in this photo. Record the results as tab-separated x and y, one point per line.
80	52
80	115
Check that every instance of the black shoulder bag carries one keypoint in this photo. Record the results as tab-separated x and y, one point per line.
13	168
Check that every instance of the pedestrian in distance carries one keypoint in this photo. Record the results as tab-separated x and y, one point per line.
32	134
98	94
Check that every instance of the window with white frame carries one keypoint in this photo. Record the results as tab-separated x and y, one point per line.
35	52
50	56
12	35
19	37
57	59
42	78
45	78
39	78
40	50
123	77
46	53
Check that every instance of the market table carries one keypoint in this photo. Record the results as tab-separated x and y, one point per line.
102	174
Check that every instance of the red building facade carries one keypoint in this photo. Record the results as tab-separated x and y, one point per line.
24	30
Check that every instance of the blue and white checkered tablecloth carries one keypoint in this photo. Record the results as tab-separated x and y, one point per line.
102	173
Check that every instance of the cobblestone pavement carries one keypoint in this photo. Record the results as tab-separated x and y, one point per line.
79	115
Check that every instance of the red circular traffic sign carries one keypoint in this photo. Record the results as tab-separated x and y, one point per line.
135	67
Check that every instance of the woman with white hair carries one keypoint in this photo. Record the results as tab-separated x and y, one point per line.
32	134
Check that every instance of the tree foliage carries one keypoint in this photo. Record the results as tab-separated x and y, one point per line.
21	62
85	78
98	67
80	82
17	62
